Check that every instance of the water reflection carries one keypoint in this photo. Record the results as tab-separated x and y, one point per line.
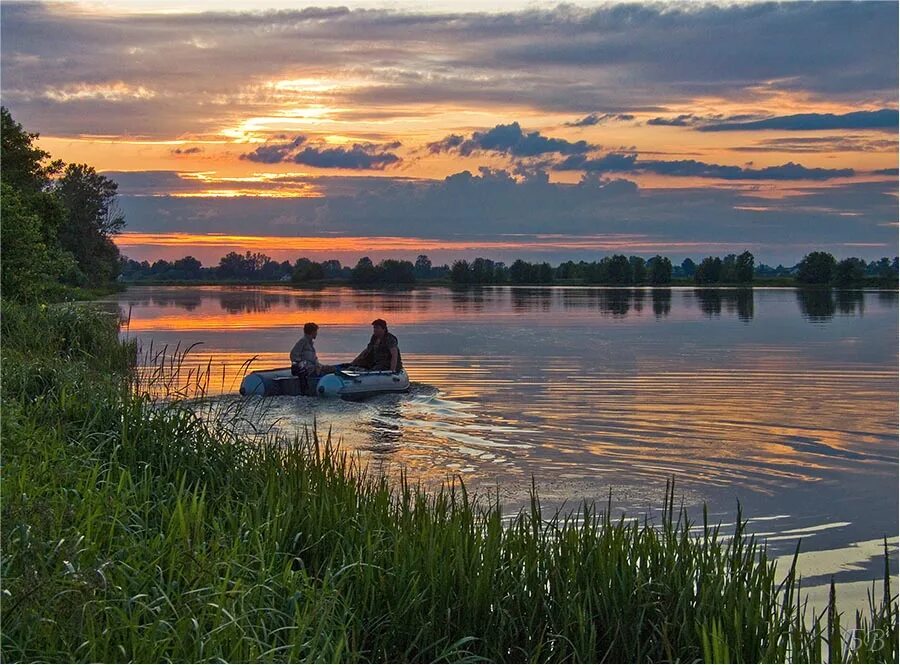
735	301
820	305
662	302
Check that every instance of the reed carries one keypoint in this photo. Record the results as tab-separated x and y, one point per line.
141	529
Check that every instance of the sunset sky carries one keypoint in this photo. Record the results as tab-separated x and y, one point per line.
459	129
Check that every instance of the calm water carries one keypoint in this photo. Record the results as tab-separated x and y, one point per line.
784	400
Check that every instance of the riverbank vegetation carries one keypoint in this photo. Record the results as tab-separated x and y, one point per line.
138	531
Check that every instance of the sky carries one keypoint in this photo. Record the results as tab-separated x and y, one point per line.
461	129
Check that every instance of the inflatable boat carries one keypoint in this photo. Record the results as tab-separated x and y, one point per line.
346	382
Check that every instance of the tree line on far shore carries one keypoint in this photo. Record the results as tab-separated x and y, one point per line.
618	270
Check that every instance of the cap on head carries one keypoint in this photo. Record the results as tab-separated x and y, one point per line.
381	323
310	328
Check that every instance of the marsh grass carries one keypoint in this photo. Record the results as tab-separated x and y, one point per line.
137	529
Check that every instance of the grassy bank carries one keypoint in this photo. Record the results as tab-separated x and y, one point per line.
139	531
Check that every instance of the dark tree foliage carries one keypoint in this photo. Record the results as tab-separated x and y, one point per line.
332	269
460	272
25	166
709	271
364	272
25	260
423	267
638	269
816	268
744	268
520	272
305	270
688	268
392	271
616	270
92	218
67	221
248	266
660	270
849	270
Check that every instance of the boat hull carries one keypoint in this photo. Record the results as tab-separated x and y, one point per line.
344	383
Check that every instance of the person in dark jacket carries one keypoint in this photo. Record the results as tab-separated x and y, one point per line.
382	352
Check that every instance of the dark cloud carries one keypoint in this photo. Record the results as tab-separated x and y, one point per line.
508	140
612	162
274	153
833	49
882	119
789	171
678	121
893	171
72	72
600	118
819	144
187	151
628	163
359	156
492	203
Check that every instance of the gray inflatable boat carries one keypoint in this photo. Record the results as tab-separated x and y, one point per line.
347	383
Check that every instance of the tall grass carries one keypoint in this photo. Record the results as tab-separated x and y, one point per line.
136	530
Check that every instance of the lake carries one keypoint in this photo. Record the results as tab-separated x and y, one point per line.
785	400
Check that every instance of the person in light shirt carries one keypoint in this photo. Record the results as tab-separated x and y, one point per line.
304	359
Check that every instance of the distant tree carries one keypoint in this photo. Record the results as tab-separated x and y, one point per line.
849	270
482	271
688	267
392	271
618	270
92	218
501	273
460	272
728	271
743	268
160	268
520	272
332	269
423	267
881	268
305	270
543	273
441	271
709	271
566	270
638	269
660	269
816	268
189	266
364	272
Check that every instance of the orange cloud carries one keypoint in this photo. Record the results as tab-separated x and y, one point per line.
611	242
